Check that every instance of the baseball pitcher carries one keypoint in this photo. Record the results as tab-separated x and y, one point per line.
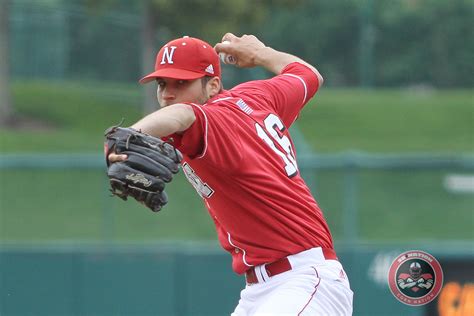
235	149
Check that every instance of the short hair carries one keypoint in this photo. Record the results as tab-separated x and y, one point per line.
205	80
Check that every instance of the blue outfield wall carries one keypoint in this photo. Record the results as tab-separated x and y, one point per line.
182	279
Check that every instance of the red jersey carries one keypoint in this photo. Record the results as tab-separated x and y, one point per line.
240	158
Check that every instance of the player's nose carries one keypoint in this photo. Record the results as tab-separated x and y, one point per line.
168	93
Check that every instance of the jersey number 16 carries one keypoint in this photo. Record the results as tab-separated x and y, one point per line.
272	124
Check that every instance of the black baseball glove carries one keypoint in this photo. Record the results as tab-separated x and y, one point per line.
150	164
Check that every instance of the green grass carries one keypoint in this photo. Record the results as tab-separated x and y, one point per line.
76	205
379	121
385	121
76	115
397	205
45	205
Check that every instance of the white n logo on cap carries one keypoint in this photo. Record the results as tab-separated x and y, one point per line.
168	55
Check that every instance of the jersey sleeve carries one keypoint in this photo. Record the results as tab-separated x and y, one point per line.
208	136
287	93
191	142
291	90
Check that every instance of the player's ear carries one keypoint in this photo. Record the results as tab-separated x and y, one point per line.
213	86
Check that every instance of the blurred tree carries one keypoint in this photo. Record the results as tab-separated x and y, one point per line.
451	43
105	39
353	42
206	19
162	20
325	33
149	21
6	107
366	44
424	42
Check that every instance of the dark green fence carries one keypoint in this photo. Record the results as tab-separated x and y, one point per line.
179	279
116	281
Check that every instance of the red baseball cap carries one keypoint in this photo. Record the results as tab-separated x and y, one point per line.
185	58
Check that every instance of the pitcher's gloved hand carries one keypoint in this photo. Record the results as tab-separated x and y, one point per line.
151	162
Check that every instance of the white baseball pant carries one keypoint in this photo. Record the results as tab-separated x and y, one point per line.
313	286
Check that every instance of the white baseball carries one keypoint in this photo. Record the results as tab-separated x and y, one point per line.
226	58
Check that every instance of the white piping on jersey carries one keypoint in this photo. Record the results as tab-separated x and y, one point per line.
222	99
304	85
243	256
205	133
